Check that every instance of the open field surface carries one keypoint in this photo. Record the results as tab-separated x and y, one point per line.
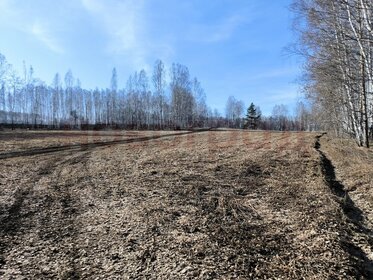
18	140
183	205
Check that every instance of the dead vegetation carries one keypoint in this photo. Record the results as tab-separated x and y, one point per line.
206	205
353	172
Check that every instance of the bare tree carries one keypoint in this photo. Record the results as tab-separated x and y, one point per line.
234	110
200	113
182	101
337	44
159	84
57	102
280	115
28	100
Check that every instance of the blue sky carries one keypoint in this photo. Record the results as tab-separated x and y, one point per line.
234	47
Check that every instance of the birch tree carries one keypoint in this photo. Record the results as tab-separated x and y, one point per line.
159	84
335	37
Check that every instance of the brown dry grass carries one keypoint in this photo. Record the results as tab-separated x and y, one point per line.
207	205
19	140
354	164
354	170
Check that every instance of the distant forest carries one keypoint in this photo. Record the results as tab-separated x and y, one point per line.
147	102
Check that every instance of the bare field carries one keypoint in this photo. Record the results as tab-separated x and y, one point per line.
175	205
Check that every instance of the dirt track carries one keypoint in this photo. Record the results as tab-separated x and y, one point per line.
207	205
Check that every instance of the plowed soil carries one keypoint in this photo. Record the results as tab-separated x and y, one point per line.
174	205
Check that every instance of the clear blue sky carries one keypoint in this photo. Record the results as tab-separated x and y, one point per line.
234	47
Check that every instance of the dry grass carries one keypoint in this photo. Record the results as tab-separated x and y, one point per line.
354	165
207	205
20	140
354	170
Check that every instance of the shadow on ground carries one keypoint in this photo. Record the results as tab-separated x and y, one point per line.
353	213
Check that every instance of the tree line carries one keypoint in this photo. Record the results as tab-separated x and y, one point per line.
167	99
336	40
145	103
280	119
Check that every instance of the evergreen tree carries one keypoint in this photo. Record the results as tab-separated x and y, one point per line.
252	117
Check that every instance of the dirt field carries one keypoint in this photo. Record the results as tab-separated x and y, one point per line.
183	205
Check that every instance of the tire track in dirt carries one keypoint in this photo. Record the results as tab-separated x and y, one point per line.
39	216
171	211
11	221
59	222
89	146
357	234
49	213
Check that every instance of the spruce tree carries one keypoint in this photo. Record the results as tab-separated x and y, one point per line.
252	117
